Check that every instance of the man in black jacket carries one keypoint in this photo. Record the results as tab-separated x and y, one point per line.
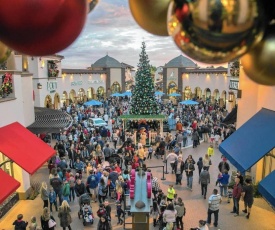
107	152
178	169
79	188
72	156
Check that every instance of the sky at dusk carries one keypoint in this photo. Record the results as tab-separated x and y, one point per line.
110	28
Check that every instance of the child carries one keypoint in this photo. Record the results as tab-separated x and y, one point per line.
212	136
52	198
19	223
159	196
33	224
217	140
150	151
210	151
219	177
119	212
87	214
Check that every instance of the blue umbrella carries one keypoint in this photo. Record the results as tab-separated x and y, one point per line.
92	103
189	102
127	93
174	95
158	93
117	95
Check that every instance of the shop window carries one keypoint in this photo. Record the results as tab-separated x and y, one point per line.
7	167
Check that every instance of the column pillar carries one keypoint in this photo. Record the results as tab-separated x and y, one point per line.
24	178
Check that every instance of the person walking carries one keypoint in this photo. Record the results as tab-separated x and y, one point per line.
189	168
170	193
169	215
213	207
45	218
92	182
179	168
180	208
65	215
206	161
66	191
44	194
52	199
155	212
247	196
56	183
172	157
236	194
223	165
200	166
102	190
224	180
205	180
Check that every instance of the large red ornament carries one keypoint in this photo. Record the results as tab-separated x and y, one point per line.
39	27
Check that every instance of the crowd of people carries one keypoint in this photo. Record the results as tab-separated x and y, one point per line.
85	169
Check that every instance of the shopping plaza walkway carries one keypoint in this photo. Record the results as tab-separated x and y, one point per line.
262	216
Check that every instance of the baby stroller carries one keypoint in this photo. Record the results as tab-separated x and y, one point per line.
85	210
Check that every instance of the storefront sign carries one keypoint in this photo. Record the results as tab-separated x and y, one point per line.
95	82
74	83
233	84
51	85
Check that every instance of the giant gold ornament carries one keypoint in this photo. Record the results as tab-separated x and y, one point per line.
258	64
215	31
151	15
4	52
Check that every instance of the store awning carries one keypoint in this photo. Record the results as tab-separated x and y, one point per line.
254	139
10	185
50	121
23	147
267	188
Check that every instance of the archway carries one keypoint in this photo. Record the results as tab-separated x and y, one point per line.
65	99
187	93
90	93
81	95
198	92
207	94
100	92
72	96
115	88
216	95
172	87
48	102
56	101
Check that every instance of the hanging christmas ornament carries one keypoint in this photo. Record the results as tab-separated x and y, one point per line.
92	4
215	31
258	64
151	15
4	52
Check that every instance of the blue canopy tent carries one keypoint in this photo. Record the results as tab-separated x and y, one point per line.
92	103
159	93
117	95
127	93
174	95
189	102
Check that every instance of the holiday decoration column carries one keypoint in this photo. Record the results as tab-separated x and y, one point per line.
143	98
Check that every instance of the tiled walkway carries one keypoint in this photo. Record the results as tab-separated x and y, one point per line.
262	216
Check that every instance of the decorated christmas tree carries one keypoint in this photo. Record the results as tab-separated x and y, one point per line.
143	97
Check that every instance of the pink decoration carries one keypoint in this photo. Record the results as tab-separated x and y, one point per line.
132	194
149	190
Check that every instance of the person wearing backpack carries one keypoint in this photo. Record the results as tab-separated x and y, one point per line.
102	191
66	191
101	211
92	182
181	210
